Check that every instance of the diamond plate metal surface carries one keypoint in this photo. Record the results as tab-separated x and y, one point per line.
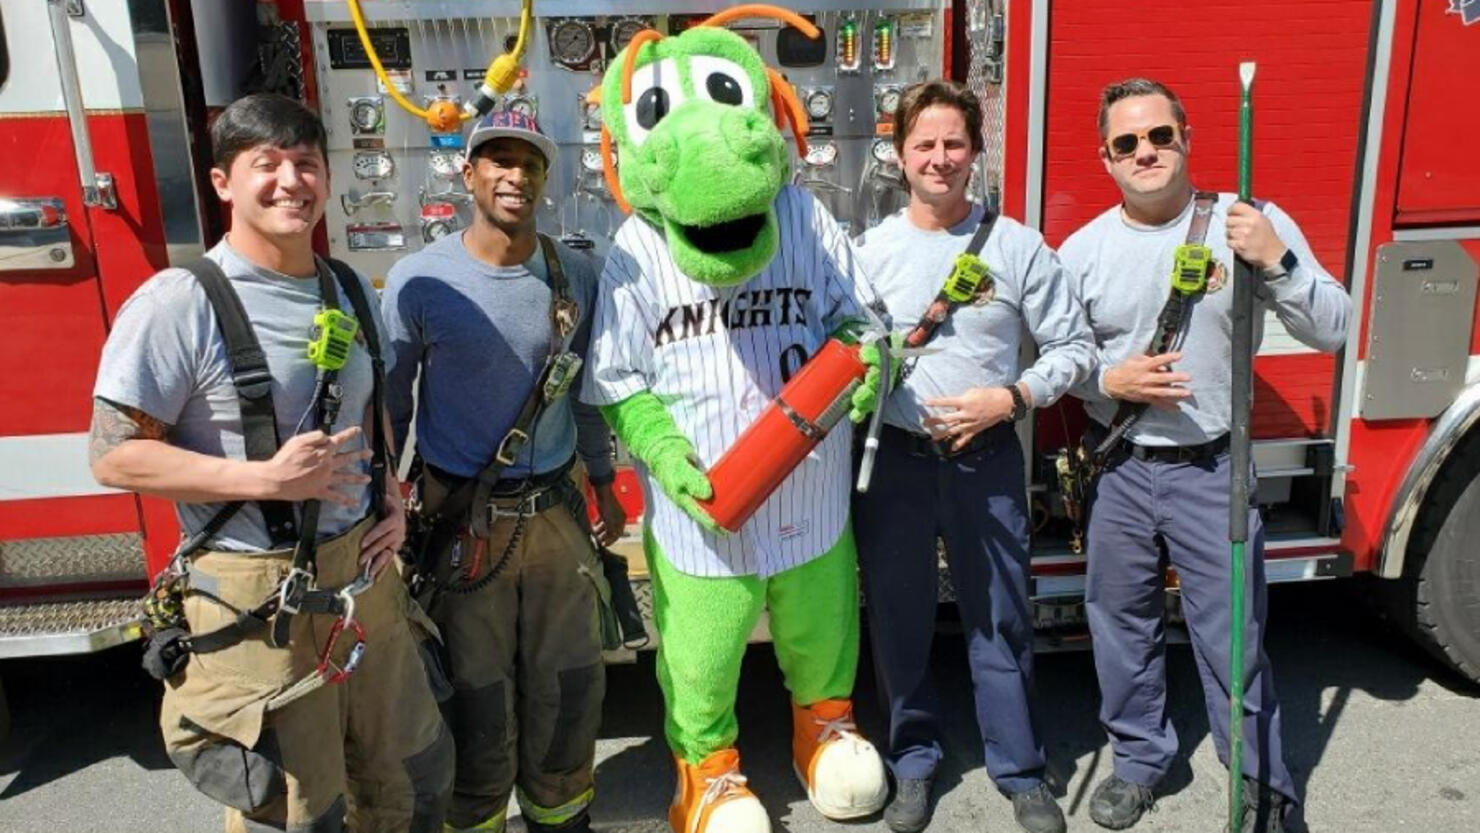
82	559
985	64
67	627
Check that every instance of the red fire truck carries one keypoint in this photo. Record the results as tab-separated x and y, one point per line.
1369	461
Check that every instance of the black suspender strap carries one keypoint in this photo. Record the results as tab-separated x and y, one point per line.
562	323
951	293
1169	323
327	400
253	382
350	284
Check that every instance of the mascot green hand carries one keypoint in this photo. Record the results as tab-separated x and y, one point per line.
648	431
692	148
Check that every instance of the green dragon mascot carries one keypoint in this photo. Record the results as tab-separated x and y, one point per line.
720	285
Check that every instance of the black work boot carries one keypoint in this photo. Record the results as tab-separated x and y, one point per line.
1117	803
1036	811
909	810
1264	809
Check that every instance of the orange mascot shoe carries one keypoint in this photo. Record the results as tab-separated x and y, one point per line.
712	798
842	772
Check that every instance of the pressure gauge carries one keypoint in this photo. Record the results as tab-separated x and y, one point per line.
572	42
373	164
367	114
432	230
591	159
822	155
522	104
886	99
883	151
819	103
446	164
624	30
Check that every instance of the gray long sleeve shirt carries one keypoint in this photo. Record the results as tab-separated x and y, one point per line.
480	335
1122	273
979	345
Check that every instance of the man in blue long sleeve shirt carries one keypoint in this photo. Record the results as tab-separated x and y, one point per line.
474	314
1166	486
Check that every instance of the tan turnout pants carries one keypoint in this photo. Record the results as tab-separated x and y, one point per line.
369	755
527	674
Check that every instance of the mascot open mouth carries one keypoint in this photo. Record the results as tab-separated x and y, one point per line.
729	236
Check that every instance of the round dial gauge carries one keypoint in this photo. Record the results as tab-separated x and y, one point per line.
888	101
522	104
819	104
822	155
365	114
623	31
572	42
591	159
435	230
446	163
883	151
374	164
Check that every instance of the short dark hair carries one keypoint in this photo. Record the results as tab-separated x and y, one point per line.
938	91
1132	87
264	119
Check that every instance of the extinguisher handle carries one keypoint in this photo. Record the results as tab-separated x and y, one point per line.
876	420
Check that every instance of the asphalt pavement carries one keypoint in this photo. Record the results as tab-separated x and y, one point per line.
1379	737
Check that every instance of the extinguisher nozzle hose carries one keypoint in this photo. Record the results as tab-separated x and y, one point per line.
876	420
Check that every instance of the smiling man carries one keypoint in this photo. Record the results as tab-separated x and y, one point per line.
949	454
495	319
1164	492
176	415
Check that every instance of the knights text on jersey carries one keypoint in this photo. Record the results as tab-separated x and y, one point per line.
716	356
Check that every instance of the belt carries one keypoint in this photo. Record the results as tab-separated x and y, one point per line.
920	445
522	497
1176	453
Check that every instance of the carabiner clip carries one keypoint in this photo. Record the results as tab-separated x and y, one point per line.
340	673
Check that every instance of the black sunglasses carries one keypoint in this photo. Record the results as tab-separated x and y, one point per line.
1161	136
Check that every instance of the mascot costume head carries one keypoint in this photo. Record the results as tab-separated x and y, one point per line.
695	120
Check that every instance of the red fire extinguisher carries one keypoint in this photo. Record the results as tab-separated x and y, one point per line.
815	399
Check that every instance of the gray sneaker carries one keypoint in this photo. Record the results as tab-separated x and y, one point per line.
909	811
1036	811
1117	803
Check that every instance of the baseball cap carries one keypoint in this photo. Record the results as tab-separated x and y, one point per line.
512	125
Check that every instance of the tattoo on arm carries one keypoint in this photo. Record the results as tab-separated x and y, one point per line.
112	424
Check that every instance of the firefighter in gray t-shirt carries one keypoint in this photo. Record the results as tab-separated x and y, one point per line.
1168	478
249	714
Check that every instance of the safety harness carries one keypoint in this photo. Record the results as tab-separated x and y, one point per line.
444	507
170	644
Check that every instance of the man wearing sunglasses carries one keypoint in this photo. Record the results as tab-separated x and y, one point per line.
1165	483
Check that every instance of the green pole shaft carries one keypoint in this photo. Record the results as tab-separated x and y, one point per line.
1240	449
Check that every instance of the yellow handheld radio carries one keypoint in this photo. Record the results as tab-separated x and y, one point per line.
966	278
334	335
1190	264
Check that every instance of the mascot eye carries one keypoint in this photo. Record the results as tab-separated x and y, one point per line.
722	81
724	89
652	106
656	92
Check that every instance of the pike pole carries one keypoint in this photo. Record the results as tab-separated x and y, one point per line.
1238	504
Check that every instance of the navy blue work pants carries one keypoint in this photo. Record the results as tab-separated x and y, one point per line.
978	504
1185	505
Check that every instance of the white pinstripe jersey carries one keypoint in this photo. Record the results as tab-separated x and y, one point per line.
716	356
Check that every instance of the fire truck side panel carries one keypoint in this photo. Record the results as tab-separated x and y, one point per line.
1439	181
1018	133
1312	60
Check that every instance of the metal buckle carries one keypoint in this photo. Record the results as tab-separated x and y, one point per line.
506	454
524	508
290	593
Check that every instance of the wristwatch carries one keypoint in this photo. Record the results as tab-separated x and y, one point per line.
1019	404
1287	264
